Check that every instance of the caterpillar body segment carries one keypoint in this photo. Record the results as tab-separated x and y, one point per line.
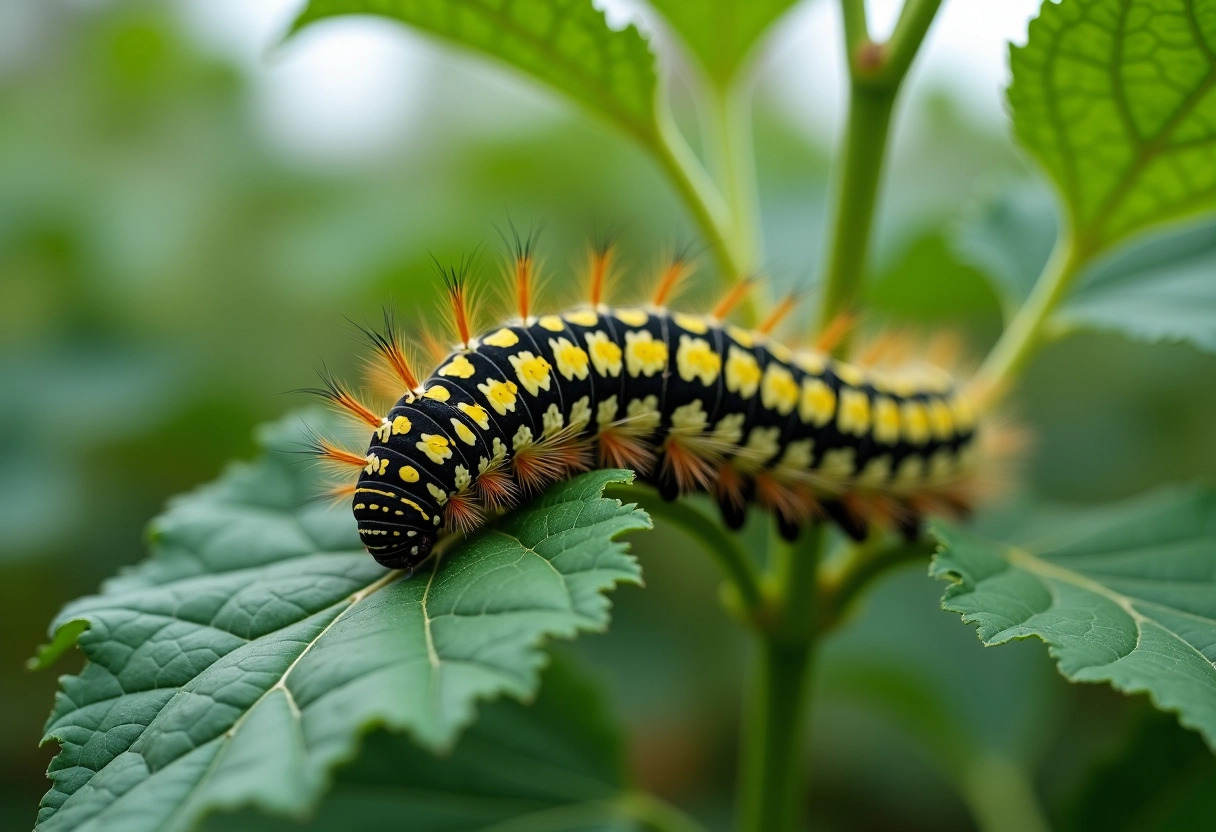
690	402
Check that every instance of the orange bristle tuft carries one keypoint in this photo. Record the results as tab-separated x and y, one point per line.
733	297
389	367
886	346
796	505
343	399
497	489
945	350
836	332
728	486
328	452
619	449
599	271
779	313
671	280
462	513
456	281
432	345
535	468
685	467
522	267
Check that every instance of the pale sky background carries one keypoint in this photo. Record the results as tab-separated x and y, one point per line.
347	89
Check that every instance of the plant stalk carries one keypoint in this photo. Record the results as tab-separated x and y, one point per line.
1025	332
772	758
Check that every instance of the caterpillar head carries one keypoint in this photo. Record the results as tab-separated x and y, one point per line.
396	532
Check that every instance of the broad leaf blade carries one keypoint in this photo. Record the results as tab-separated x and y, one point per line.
1117	100
559	757
565	44
1125	595
721	34
1161	288
247	655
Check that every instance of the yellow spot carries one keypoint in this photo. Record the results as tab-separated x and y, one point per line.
580	413
531	370
742	336
964	415
730	428
605	353
606	410
876	472
916	423
810	362
382	432
692	323
941	467
762	443
463	432
644	413
552	323
838	463
503	338
462	478
375	465
438	493
498	451
643	354
460	367
439	393
500	395
689	418
477	413
854	415
886	420
583	317
632	317
911	472
552	420
571	360
798	454
780	352
696	359
849	374
778	390
941	420
408	473
401	425
818	403
742	372
435	446
522	438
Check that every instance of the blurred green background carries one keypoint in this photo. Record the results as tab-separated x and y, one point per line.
167	271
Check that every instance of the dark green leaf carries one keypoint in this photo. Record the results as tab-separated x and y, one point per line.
558	760
565	44
1117	100
721	34
242	661
1124	595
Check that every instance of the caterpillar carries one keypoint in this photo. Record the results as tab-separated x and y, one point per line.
691	402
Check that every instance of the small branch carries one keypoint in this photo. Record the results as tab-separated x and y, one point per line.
728	128
909	34
1025	332
866	562
700	196
737	567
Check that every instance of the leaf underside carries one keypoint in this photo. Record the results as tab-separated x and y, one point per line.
565	44
1117	100
1124	595
246	656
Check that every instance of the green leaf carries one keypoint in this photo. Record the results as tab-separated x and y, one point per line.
243	660
565	44
1159	288
721	34
558	759
1124	595
1117	100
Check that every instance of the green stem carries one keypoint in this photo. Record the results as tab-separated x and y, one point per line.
863	565
1025	332
772	762
729	130
737	567
700	196
876	72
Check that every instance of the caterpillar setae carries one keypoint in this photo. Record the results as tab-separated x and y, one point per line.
691	402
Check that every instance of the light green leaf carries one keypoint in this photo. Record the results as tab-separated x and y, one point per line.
565	44
559	760
1117	99
1160	288
243	660
1124	595
721	34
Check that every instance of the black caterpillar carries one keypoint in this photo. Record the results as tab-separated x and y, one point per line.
688	401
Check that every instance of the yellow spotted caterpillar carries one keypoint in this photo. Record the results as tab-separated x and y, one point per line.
689	401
